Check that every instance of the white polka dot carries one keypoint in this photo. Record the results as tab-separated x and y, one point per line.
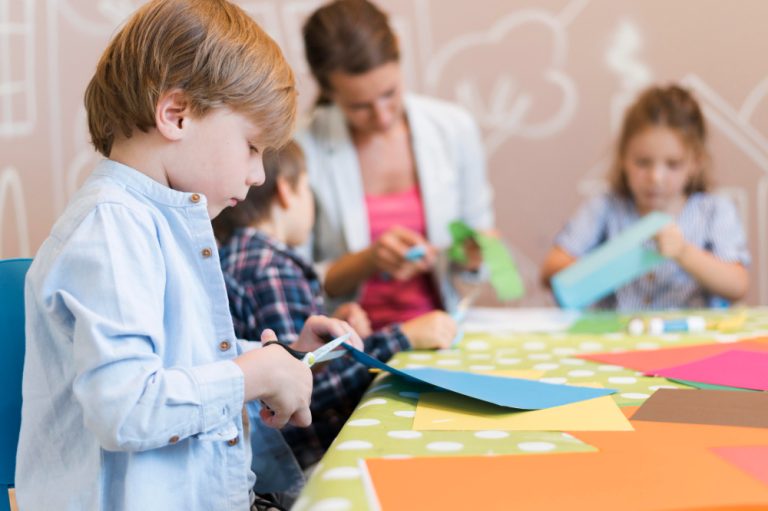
573	361
479	367
479	356
546	366
670	337
334	504
448	362
410	395
405	413
394	362
535	446
374	401
507	361
404	434
301	504
477	346
567	435
397	456
590	346
647	345
414	366
581	373
534	346
379	387
539	356
609	368
634	395
363	422
445	351
445	446
354	445
420	356
563	351
342	473
657	387
491	435
613	336
622	380
554	379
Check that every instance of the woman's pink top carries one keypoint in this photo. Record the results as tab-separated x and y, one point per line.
385	299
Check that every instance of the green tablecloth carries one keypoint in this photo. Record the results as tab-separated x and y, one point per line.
381	424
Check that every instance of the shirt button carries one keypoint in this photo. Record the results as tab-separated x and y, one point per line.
234	441
173	439
206	252
195	197
224	345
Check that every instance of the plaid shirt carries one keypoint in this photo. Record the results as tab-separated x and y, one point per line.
271	286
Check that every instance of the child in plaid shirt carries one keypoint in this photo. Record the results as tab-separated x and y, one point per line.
271	286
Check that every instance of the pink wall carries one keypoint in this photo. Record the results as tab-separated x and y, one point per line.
547	81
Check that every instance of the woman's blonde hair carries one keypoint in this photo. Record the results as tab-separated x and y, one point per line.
673	107
211	50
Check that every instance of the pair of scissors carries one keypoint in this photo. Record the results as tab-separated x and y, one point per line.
326	351
322	354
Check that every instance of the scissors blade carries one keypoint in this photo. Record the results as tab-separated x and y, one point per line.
321	354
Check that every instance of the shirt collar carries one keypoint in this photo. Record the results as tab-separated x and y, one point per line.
145	185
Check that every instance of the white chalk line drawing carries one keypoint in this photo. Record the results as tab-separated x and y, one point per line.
623	58
734	125
504	114
11	189
17	36
54	108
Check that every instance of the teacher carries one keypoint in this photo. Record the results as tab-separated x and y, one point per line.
390	172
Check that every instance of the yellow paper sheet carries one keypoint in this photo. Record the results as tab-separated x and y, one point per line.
446	411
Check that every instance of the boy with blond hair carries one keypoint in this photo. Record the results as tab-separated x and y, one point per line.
134	381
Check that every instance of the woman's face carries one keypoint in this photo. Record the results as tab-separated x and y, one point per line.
372	102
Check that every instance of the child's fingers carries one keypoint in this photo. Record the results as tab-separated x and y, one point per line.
268	335
302	418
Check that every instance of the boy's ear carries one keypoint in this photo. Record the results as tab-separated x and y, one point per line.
171	114
284	193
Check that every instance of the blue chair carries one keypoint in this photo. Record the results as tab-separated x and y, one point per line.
12	273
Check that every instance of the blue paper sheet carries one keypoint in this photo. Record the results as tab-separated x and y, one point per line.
501	391
612	265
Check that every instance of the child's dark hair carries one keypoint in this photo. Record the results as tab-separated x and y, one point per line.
673	107
285	163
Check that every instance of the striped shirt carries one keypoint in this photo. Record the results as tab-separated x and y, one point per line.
269	285
709	222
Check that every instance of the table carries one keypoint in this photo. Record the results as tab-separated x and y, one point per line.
381	424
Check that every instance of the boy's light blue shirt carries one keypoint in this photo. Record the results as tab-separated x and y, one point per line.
131	398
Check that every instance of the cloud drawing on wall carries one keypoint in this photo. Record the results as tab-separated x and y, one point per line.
525	43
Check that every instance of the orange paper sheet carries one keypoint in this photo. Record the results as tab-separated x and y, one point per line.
648	360
603	481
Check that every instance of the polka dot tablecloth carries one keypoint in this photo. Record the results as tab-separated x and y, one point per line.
381	425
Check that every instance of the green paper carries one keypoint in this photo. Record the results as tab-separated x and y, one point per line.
598	323
504	276
708	386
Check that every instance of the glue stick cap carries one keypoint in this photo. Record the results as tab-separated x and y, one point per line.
697	324
636	326
655	326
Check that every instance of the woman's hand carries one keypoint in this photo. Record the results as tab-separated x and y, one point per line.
388	253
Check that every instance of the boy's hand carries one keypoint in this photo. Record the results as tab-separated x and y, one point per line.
670	242
432	330
353	314
320	329
389	250
281	382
